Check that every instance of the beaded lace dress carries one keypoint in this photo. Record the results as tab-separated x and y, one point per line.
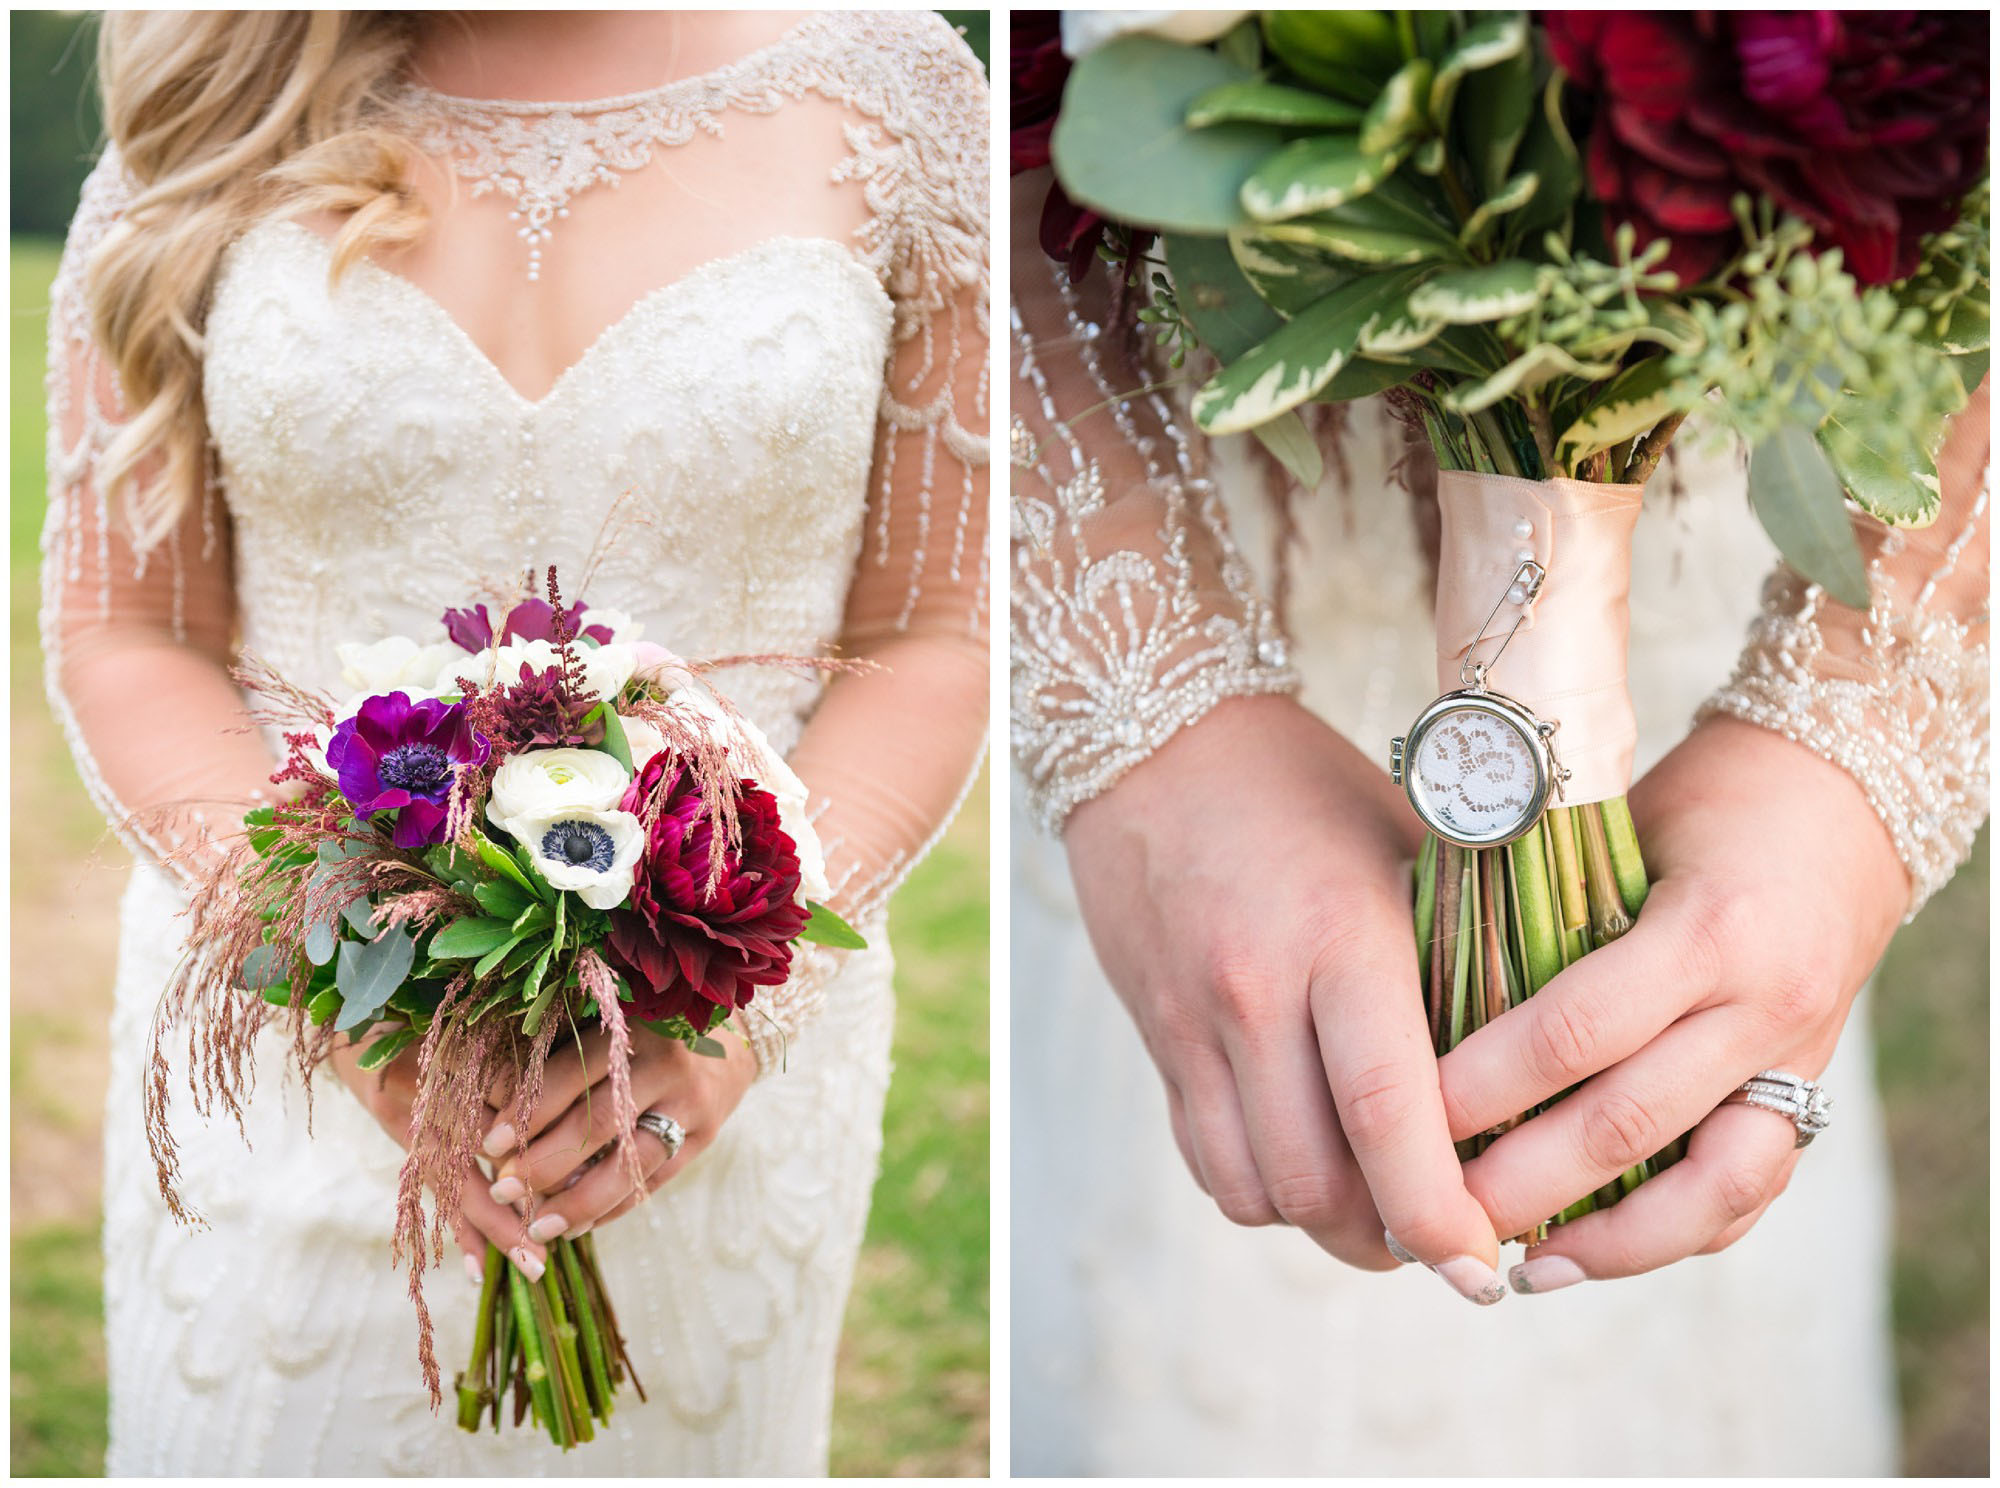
1156	1337
785	444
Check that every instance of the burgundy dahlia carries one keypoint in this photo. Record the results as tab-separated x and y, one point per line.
1869	126
400	756
688	952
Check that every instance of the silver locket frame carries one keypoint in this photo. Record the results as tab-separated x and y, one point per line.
1534	731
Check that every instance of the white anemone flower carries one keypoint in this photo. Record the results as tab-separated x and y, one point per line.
537	782
590	853
1087	30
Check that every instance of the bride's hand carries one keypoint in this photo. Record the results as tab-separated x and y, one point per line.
1247	890
1777	891
549	1164
387	1094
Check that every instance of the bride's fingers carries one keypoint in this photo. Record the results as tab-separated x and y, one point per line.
1223	1161
1309	1175
1604	1009
606	1190
500	1224
1376	1049
568	1073
1735	1161
1744	1226
1177	1119
1612	1123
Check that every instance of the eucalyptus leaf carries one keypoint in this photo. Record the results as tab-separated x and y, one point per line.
1632	403
1291	444
1399	115
263	967
386	1048
1797	497
1222	305
1875	467
321	942
368	972
1255	101
360	917
1302	358
1310	175
1122	145
1481	295
1532	369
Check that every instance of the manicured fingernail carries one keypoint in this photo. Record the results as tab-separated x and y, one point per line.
476	1269
509	1191
1397	1250
530	1264
1549	1273
500	1141
547	1227
1472	1279
579	1232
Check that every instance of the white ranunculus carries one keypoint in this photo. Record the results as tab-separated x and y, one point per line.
622	626
537	782
591	853
606	669
393	664
1087	30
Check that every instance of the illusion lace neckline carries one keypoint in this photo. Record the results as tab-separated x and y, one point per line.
456	103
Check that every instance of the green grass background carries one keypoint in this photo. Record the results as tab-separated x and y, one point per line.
912	1390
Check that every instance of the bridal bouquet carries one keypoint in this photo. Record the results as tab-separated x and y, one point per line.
495	841
1547	241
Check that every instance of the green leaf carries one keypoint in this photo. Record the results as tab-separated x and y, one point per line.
502	898
1434	30
1875	468
321	941
1512	196
1360	245
1122	145
1223	307
1254	101
360	917
1532	369
1797	497
469	938
368	972
1361	378
829	929
386	1048
1479	296
615	743
1398	116
1487	44
1429	158
1286	275
279	994
1397	332
1549	154
1490	115
531	1022
258	827
537	916
501	862
1971	369
1301	359
1293	447
264	967
483	967
1310	175
1243	45
1632	403
709	1048
1346	52
323	1005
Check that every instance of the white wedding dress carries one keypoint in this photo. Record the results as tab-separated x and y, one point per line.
1151	1336
377	468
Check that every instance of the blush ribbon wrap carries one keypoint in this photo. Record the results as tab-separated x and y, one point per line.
1567	661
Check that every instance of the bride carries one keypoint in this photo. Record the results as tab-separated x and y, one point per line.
1208	743
350	326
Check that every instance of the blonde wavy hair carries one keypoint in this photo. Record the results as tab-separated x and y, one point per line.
222	118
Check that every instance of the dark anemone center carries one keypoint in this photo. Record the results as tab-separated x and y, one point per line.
579	843
416	768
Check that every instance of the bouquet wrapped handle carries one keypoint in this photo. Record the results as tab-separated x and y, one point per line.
1567	661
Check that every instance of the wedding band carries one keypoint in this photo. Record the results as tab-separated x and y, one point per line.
1800	1101
670	1132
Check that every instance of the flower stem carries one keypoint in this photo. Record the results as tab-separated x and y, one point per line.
474	1384
1627	865
1427	886
1608	919
540	1389
585	1308
569	1369
1444	949
1541	951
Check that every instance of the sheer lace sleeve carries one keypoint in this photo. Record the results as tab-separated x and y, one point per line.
136	644
1134	613
891	751
1897	696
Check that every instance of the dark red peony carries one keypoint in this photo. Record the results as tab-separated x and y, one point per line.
693	954
1038	70
1867	125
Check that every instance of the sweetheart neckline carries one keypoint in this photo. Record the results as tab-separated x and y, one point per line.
526	405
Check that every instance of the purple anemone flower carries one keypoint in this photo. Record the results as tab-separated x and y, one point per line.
530	620
400	756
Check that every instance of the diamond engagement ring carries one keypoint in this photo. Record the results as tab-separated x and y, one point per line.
670	1132
1800	1101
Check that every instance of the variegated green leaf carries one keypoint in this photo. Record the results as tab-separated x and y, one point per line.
1877	472
1361	378
1490	114
1293	446
1397	116
1481	295
1486	44
1528	371
1397	332
1289	277
1225	309
1629	405
1797	497
1258	102
1361	245
1310	175
1430	156
1347	52
1515	194
1550	155
1301	359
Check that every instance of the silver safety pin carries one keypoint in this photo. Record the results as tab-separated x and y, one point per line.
1529	577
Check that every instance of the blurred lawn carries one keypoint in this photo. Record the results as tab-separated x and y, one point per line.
912	1392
